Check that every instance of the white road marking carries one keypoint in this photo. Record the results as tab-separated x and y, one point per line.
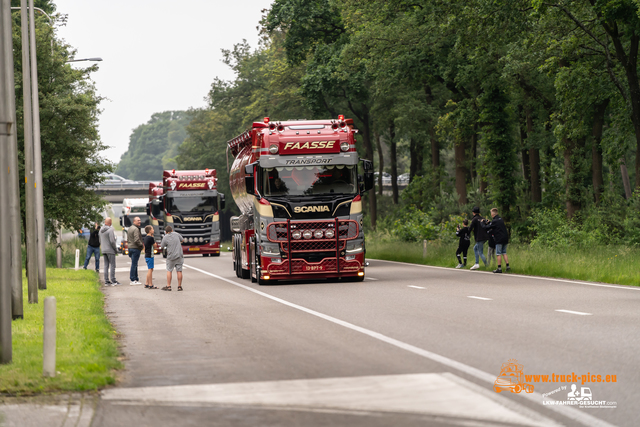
417	287
440	395
369	278
633	288
486	377
575	312
482	298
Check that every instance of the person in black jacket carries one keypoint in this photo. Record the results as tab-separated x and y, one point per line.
498	230
481	236
463	246
93	248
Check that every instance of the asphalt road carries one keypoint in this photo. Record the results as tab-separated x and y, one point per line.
411	345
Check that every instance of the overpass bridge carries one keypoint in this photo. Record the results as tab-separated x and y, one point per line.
116	193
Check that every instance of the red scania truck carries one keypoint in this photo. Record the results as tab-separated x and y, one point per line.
298	189
189	202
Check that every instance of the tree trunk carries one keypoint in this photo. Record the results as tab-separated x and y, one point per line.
526	161
417	157
368	150
435	149
625	178
394	162
572	202
534	163
473	172
461	172
596	150
380	161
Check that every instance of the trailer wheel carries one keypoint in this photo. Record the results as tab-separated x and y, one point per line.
516	389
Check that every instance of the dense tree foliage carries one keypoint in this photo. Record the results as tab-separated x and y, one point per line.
526	105
71	147
153	146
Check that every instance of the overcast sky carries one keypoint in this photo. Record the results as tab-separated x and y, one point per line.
157	55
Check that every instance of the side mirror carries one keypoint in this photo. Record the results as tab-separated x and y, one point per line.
367	165
149	209
126	221
156	208
121	221
249	181
221	200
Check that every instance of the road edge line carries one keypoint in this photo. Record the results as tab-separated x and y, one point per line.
534	397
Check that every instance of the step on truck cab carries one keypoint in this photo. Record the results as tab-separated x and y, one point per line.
299	190
189	202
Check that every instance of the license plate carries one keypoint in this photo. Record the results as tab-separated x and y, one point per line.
313	267
194	249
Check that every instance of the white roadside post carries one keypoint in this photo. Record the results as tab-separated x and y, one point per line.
49	341
77	259
424	249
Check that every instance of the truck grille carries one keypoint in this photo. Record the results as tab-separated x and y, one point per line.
324	255
194	231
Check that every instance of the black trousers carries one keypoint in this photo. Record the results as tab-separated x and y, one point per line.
462	249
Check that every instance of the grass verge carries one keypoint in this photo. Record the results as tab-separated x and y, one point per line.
87	353
607	264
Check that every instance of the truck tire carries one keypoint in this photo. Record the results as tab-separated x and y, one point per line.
216	254
253	269
245	274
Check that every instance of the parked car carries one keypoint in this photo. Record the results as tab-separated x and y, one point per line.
403	179
84	233
119	244
113	179
386	178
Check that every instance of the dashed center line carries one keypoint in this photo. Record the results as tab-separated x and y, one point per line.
575	312
482	298
417	287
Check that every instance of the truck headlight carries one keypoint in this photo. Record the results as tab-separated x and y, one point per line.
273	149
353	247
296	234
307	234
344	146
329	234
318	234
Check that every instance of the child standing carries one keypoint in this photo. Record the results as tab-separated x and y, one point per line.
463	246
149	241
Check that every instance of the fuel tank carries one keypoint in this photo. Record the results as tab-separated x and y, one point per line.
237	174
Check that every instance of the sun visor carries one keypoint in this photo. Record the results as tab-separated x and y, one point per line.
271	161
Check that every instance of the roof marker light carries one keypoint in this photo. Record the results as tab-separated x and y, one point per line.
266	119
341	117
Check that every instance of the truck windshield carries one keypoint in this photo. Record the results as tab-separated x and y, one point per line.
191	204
310	180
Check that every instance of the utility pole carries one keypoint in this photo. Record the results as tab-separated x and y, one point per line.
6	130
29	178
15	223
37	155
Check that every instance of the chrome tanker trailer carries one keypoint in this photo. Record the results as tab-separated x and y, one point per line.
297	186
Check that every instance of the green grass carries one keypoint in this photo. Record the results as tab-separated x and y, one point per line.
608	264
87	353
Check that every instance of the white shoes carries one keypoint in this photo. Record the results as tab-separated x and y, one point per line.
135	282
475	267
459	266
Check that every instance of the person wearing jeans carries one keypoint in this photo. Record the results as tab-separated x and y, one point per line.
480	235
108	246
93	248
135	244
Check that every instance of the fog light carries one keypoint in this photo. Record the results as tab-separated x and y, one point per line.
273	149
360	273
276	259
307	234
296	234
201	239
266	277
329	234
344	146
318	234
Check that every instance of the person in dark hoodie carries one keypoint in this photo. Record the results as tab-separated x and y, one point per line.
480	235
465	241
108	246
93	248
497	228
